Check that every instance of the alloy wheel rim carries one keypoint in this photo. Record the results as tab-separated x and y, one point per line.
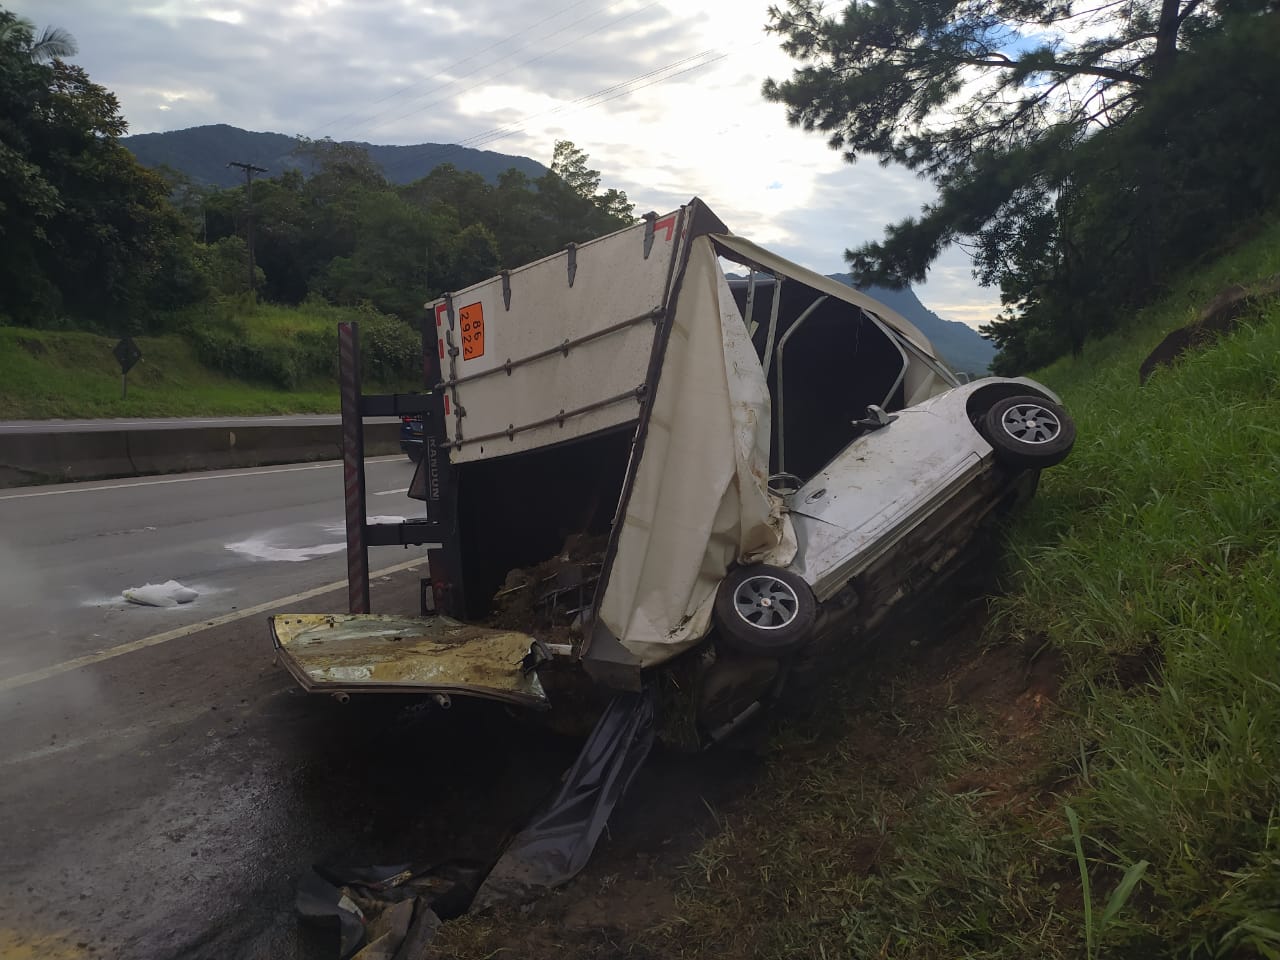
1031	423
766	602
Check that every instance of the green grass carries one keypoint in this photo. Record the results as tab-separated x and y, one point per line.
1159	543
1151	562
60	374
920	816
231	359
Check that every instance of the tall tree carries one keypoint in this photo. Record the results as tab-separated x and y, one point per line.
89	235
999	103
53	43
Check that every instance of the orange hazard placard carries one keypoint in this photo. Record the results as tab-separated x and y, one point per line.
471	323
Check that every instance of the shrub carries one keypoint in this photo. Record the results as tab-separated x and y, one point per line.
287	346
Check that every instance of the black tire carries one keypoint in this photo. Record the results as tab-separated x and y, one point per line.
415	454
764	611
1029	432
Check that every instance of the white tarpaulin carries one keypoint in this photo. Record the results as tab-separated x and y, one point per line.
700	499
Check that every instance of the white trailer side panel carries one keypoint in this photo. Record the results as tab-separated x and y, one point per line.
558	349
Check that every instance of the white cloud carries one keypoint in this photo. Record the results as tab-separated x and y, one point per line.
223	16
664	95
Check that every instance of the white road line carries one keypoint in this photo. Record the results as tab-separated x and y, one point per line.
35	676
101	426
219	476
387	493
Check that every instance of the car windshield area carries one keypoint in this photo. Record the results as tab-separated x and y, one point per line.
825	361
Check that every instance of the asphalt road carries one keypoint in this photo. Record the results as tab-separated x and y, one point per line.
239	538
162	783
159	423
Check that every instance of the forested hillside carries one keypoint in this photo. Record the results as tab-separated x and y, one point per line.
202	154
95	241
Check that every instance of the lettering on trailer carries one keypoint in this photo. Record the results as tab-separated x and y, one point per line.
668	224
433	470
471	320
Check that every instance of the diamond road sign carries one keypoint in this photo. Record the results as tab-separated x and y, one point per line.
127	353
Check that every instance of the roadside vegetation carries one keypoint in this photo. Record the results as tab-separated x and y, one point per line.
1087	765
94	243
228	358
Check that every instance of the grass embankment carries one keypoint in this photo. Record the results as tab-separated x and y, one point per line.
229	360
1129	676
62	374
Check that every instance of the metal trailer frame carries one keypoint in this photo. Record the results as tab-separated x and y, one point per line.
432	477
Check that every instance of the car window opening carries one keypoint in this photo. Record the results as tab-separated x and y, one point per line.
838	360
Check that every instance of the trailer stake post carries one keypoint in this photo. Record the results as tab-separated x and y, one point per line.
353	467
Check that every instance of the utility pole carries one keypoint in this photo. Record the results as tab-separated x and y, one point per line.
249	170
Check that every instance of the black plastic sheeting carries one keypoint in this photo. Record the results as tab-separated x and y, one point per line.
555	847
393	912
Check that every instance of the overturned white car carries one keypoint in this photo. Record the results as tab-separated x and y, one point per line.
667	464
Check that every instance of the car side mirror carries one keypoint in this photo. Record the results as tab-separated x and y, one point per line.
876	418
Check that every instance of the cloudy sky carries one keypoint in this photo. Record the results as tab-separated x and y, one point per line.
664	95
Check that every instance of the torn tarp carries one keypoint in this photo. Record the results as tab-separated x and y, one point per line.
555	847
392	912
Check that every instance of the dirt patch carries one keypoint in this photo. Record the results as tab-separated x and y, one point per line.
1219	317
631	882
1142	667
706	823
1008	682
35	348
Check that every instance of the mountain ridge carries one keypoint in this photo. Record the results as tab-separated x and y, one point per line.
202	153
960	345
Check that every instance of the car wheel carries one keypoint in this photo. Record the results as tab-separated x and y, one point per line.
764	611
1029	432
415	454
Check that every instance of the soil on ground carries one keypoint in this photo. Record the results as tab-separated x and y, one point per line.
929	660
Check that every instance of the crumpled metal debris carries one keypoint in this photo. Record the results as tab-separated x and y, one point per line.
387	912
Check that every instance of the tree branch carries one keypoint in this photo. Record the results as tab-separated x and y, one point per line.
1187	11
1053	66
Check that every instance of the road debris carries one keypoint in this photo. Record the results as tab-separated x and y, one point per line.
167	594
387	912
393	912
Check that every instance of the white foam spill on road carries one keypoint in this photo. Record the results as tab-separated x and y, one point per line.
265	548
118	601
282	545
171	593
340	529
